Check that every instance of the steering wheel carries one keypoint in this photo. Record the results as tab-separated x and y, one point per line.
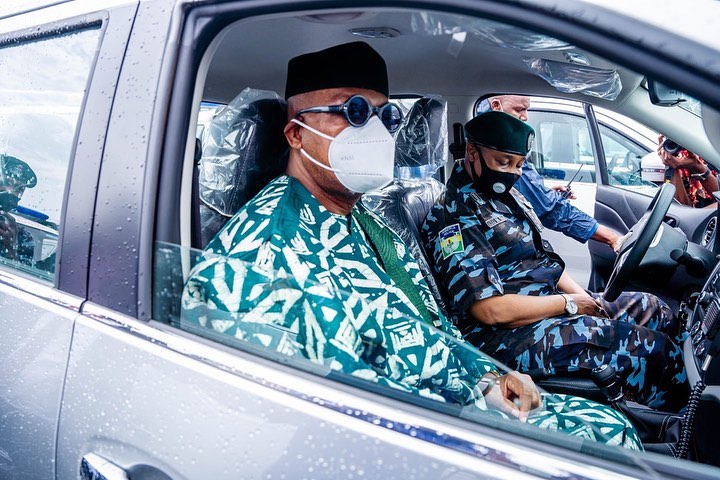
639	239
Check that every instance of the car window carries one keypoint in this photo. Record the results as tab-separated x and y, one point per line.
623	159
562	148
39	111
283	326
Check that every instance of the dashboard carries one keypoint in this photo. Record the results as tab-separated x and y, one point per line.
702	347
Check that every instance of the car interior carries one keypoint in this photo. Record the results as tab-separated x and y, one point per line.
440	66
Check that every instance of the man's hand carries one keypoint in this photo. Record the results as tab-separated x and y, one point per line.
8	236
692	162
562	189
587	305
515	394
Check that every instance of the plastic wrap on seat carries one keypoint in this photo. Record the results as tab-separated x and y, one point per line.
421	143
568	78
421	148
244	148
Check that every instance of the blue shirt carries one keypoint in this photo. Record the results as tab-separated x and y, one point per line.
554	211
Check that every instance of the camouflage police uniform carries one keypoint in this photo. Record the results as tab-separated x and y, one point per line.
483	248
288	276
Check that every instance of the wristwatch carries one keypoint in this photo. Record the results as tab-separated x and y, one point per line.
570	306
701	176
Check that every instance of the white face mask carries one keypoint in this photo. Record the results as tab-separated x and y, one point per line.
362	158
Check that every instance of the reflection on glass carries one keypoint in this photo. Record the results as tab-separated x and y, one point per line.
289	320
41	92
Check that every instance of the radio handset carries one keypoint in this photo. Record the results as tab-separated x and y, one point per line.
568	191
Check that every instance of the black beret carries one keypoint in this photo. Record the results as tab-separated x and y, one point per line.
500	131
18	170
350	65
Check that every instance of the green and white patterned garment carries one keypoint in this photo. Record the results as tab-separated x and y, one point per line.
287	274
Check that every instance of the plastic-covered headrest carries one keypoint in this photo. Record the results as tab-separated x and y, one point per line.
421	143
244	148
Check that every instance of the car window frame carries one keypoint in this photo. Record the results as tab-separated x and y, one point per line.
73	244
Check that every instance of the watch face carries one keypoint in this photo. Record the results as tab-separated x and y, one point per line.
570	306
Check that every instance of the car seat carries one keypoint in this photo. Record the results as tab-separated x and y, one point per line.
421	149
243	149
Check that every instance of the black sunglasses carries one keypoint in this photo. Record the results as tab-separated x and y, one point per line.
357	111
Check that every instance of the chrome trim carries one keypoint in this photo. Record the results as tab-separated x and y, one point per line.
95	467
498	458
41	291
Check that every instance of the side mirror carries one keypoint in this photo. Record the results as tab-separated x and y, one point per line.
663	95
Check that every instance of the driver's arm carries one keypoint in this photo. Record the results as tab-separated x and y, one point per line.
568	285
512	310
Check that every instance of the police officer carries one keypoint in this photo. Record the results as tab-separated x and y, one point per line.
15	176
551	206
510	294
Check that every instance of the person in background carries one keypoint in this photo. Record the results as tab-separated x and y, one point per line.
550	205
16	243
694	180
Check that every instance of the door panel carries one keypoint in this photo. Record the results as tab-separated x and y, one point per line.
134	400
34	343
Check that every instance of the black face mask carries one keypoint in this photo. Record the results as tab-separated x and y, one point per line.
8	201
492	183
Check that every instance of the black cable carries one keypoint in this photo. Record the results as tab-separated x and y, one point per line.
689	420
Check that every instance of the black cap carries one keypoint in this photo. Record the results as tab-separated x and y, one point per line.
17	170
500	131
350	65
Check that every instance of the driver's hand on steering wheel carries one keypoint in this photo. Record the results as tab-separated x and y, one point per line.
587	305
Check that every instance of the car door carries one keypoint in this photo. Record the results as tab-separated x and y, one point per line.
146	399
53	77
623	195
563	152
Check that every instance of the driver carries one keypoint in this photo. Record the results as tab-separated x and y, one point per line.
508	290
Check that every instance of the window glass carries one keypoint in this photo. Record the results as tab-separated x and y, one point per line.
305	324
562	149
42	87
624	159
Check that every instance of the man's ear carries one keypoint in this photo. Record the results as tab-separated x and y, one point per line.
496	105
293	135
471	152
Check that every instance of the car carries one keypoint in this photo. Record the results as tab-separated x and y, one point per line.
114	104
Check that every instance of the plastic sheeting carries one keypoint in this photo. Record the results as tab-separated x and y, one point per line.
596	82
421	142
421	149
243	149
493	33
403	205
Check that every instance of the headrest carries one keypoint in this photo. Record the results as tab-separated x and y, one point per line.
421	143
244	148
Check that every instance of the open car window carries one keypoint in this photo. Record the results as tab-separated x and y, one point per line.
286	320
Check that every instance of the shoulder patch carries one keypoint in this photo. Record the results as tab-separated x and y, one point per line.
451	241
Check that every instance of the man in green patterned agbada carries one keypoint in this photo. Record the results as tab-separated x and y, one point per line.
305	270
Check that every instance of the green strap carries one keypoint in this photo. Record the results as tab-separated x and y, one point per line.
382	239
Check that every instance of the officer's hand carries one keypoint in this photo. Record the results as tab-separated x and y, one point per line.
587	305
8	236
570	194
515	394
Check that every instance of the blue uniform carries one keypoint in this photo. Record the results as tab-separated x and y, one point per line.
554	211
484	248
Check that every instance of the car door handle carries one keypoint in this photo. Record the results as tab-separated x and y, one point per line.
95	467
